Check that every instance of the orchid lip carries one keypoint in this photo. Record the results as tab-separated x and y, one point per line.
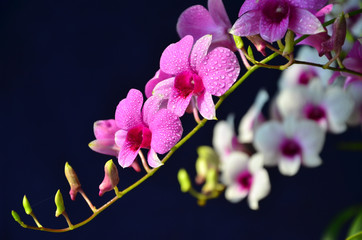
290	148
314	112
188	83
245	180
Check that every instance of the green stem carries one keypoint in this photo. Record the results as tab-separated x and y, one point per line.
330	68
354	236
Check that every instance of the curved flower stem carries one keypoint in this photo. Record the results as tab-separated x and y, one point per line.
164	160
243	58
144	162
91	206
330	68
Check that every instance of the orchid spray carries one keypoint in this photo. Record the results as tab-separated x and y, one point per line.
319	93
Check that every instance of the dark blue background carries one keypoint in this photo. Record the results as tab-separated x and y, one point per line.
66	64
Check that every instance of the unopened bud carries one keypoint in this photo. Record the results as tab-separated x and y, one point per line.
211	181
250	53
72	180
336	41
207	159
289	43
111	178
184	180
259	43
59	203
238	42
17	218
27	206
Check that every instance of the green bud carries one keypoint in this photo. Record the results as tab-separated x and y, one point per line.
211	181
72	180
238	42
15	216
250	53
289	43
27	206
184	180
111	178
207	159
59	203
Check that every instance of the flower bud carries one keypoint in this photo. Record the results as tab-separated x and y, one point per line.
72	180
238	42
27	206
59	203
207	159
289	43
211	181
184	180
111	178
250	53
258	42
336	41
17	218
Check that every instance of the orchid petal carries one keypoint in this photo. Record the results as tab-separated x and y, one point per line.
311	160
195	21
270	31
128	112
268	137
233	165
218	13
199	51
105	129
120	137
310	136
260	188
104	146
248	5
206	105
127	154
308	4
289	166
247	24
222	138
166	131
175	58
178	103
151	84
163	89
153	159
234	194
304	22
152	105
219	70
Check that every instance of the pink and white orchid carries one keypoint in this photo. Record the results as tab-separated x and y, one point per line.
329	106
196	75
150	128
272	18
290	144
244	177
197	21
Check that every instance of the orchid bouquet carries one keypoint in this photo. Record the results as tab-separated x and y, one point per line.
319	93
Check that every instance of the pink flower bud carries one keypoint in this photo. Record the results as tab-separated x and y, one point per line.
111	178
336	41
72	180
258	42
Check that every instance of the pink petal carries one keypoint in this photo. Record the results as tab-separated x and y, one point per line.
308	4
272	32
127	154
178	103
219	70
120	137
304	22
195	21
151	107
104	129
166	131
175	58
159	76
218	13
247	24
206	105
324	11
153	159
316	41
164	89
248	5
128	112
104	146
199	51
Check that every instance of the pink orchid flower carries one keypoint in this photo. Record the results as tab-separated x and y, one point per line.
197	21
272	18
196	75
152	128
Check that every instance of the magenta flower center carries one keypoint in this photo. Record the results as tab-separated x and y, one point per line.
290	148
245	180
314	112
275	10
306	76
139	137
189	83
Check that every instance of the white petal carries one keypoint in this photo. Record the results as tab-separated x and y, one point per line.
256	162
311	160
232	166
222	138
310	136
290	101
153	159
250	120
268	137
234	193
290	126
260	188
289	166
